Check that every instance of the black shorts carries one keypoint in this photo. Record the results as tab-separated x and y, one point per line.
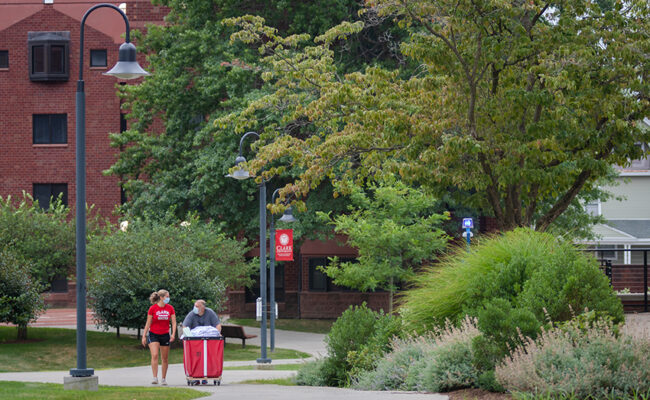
162	339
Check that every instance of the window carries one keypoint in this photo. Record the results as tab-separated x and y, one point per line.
253	292
48	56
318	280
4	58
98	58
44	192
50	128
593	208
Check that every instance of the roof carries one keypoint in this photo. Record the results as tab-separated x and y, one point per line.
104	20
640	229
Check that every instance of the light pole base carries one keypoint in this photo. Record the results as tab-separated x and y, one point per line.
264	361
89	383
80	373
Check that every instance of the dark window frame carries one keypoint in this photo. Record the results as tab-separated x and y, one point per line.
50	122
326	282
253	292
4	59
53	189
92	59
51	42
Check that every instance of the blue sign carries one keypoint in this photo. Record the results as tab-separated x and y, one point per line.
468	223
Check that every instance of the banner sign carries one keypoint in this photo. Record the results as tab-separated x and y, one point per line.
284	245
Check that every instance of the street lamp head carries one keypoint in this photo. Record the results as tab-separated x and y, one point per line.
288	216
240	173
127	66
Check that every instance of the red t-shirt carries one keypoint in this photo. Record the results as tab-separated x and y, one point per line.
161	317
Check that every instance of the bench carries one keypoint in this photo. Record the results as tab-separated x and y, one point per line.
237	332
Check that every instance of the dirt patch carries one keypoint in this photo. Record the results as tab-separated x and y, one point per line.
477	394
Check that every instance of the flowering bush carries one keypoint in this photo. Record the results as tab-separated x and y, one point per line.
584	361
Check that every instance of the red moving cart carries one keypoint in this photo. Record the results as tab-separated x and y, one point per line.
203	359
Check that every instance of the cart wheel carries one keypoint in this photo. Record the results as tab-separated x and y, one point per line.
218	383
188	383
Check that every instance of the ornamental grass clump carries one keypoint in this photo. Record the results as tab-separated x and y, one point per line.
435	362
583	362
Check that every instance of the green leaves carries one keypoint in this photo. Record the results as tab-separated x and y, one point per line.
395	230
525	106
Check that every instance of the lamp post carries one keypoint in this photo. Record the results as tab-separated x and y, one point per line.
286	217
241	174
126	68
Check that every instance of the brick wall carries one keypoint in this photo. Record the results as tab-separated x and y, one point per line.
22	163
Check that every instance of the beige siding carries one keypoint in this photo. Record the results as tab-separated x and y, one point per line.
636	190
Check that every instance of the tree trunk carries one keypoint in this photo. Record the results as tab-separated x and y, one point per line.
22	332
117	330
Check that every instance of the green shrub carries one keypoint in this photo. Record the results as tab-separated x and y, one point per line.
46	240
583	361
127	266
349	333
531	270
387	327
20	299
311	374
438	361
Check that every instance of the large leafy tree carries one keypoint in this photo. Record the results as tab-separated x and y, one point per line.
521	106
171	157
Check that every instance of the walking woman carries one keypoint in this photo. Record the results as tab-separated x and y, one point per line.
156	332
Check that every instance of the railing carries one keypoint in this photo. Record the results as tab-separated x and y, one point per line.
623	276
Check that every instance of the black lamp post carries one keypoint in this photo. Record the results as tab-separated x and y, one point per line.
126	68
241	174
286	217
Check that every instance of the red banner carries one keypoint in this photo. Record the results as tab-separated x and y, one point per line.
284	245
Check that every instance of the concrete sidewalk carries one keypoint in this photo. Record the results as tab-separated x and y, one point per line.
310	343
141	376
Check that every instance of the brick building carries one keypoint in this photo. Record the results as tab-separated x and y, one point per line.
39	66
39	61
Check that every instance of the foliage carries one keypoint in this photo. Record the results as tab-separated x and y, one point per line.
585	363
311	374
513	283
191	262
435	362
523	106
349	333
387	328
20	296
527	270
171	157
45	239
395	230
359	336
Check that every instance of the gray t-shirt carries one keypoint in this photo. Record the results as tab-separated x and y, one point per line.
209	318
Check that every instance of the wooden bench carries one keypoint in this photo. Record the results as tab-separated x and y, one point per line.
237	332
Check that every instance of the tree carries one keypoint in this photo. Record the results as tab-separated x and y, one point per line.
192	261
20	296
395	229
178	162
520	105
44	239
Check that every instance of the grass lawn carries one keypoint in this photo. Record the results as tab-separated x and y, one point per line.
299	325
53	349
52	391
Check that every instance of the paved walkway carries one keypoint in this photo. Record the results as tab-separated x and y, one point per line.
230	387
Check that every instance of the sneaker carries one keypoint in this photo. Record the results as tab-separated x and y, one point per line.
154	381
163	382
